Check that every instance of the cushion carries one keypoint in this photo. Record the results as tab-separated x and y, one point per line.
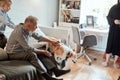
3	54
18	70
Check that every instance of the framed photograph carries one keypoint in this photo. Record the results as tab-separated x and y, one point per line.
69	4
77	5
90	20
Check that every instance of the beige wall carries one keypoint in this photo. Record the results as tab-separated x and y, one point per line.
45	10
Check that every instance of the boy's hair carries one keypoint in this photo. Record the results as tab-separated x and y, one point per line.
3	2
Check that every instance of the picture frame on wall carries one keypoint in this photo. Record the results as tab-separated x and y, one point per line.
77	5
90	20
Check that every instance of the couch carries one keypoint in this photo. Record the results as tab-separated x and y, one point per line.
23	70
16	69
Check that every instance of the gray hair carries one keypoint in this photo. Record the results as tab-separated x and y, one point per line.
31	19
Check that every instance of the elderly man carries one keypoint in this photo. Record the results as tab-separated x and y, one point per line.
18	48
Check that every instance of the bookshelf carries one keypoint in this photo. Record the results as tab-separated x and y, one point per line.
69	12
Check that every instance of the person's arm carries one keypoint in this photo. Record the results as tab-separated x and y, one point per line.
45	52
114	16
10	23
21	38
117	22
111	16
6	21
45	39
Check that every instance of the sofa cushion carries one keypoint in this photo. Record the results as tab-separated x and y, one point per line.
18	70
3	55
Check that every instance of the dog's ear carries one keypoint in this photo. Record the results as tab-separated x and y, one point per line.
59	50
54	47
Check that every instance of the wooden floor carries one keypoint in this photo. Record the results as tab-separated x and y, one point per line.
82	71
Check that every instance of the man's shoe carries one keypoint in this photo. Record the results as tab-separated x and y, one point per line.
55	79
105	64
60	72
115	65
48	77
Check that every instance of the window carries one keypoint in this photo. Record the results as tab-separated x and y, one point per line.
99	10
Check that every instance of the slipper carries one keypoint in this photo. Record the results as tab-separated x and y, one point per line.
105	64
115	65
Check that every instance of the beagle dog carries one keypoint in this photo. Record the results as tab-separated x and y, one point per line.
62	53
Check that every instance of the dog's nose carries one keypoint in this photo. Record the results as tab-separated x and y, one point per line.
59	60
69	54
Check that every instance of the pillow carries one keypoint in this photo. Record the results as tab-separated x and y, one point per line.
3	54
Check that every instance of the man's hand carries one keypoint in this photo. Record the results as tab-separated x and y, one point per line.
54	41
117	21
45	52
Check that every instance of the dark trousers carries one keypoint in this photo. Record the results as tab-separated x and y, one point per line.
31	57
3	40
48	62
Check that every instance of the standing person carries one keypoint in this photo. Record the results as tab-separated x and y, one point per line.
113	43
18	48
4	20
